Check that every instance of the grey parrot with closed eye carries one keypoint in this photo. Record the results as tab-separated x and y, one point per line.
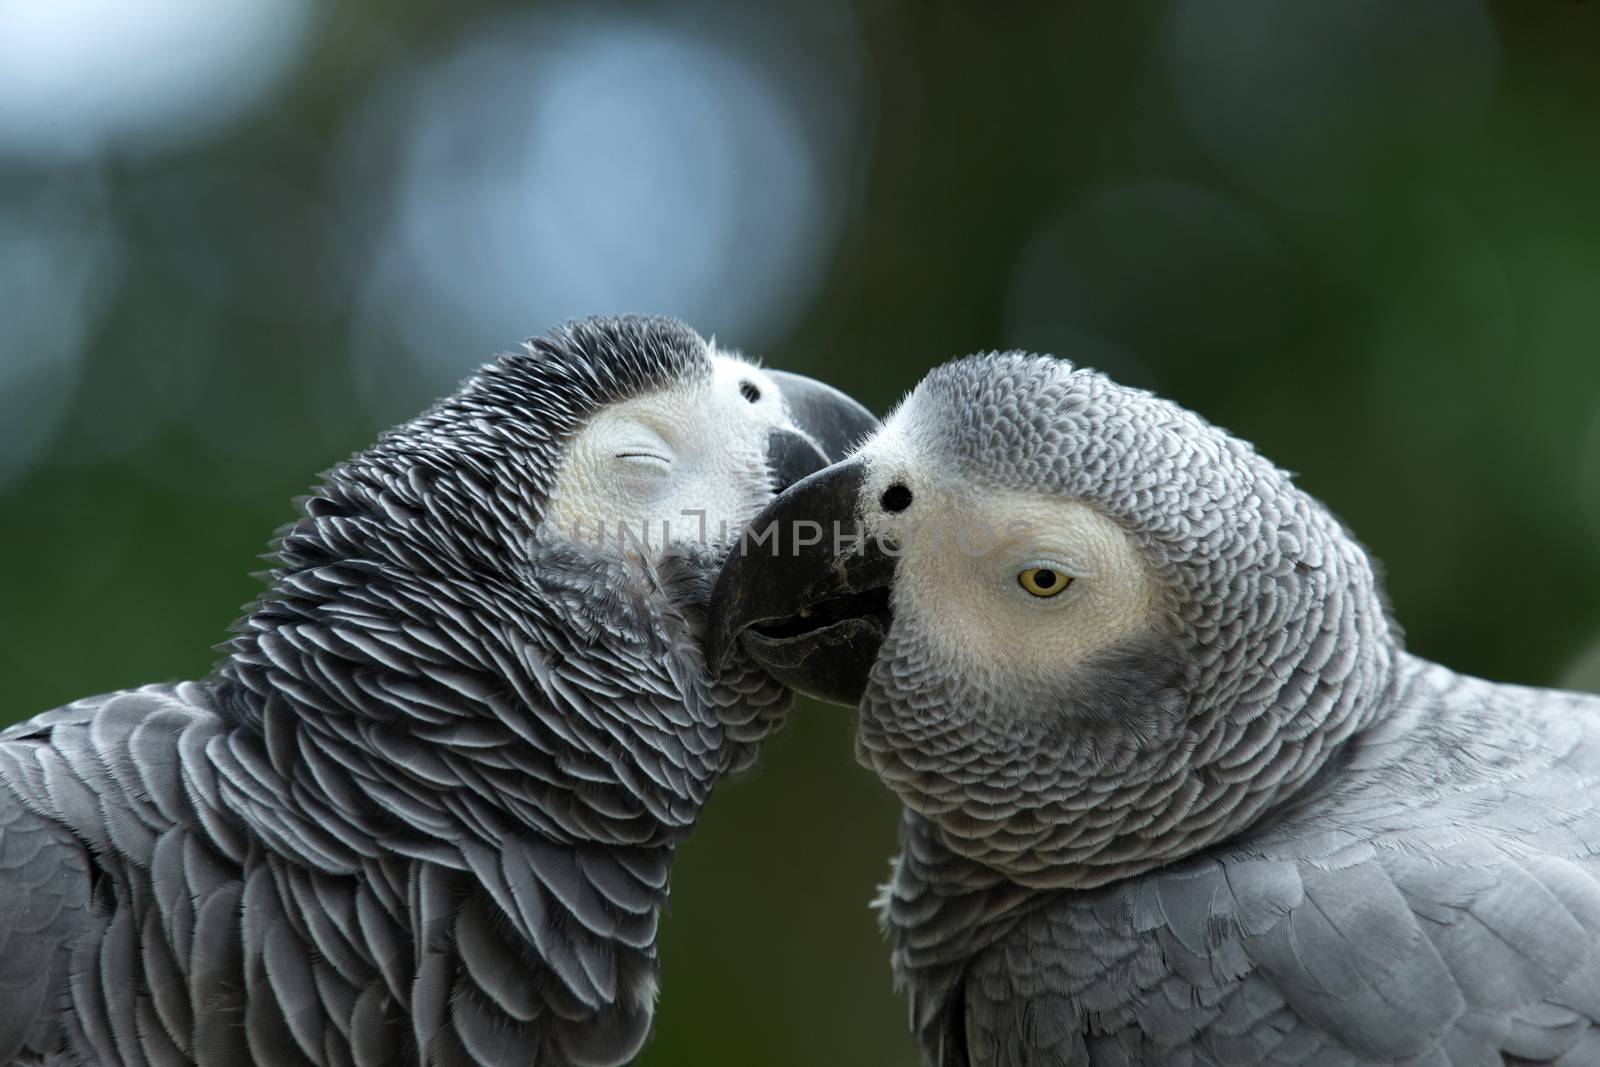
1174	792
424	810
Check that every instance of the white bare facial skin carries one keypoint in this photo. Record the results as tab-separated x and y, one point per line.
636	475
964	547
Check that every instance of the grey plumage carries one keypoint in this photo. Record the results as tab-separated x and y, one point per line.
425	809
1244	828
1436	902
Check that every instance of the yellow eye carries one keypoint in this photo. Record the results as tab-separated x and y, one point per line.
1043	582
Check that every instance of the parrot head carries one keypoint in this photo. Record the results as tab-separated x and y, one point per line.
624	446
532	556
1088	631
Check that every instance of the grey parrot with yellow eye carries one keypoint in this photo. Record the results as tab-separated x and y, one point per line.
424	810
1174	792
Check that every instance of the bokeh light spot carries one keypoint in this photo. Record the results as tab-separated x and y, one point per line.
1584	672
558	167
78	77
58	259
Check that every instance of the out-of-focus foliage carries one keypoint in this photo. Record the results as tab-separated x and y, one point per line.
238	238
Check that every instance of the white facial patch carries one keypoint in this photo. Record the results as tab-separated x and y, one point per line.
680	464
964	551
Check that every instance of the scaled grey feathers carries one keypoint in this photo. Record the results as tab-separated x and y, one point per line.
425	809
1239	824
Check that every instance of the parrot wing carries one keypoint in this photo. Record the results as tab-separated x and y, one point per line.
1441	905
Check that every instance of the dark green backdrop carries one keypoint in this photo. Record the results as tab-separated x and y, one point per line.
1365	236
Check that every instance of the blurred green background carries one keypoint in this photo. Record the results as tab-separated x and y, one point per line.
239	237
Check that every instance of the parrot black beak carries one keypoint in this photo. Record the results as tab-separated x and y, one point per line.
804	593
827	425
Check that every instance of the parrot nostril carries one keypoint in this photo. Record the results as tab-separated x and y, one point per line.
749	392
896	498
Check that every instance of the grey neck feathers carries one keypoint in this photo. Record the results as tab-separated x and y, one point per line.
427	669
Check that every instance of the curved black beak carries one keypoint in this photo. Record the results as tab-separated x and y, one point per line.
792	456
832	421
804	593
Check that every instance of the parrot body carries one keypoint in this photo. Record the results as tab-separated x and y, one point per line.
424	811
1435	901
1175	793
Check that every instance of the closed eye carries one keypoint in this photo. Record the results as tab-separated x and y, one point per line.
655	457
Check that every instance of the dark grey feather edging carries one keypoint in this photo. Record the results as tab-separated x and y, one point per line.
425	810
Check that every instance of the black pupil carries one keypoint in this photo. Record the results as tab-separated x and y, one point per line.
749	392
1044	579
896	498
